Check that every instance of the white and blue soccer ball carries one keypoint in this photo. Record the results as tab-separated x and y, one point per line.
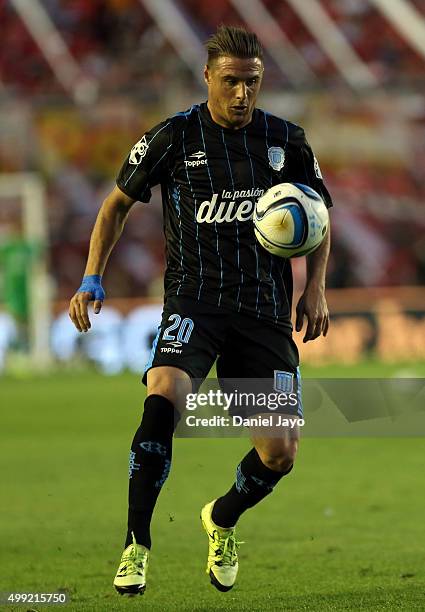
290	220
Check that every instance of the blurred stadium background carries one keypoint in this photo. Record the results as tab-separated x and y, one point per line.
81	81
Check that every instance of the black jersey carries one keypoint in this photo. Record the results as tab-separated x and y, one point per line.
210	179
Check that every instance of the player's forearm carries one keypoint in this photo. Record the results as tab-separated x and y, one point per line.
318	261
107	229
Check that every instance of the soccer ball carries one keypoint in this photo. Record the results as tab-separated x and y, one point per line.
290	220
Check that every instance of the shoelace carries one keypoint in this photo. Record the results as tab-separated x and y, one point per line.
135	560
227	547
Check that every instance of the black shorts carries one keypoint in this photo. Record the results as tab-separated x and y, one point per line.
193	335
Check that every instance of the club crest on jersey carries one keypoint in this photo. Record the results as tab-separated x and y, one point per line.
138	152
276	158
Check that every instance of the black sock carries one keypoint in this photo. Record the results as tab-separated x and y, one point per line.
254	481
149	465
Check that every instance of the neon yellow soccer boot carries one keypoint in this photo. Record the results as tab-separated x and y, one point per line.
131	574
222	565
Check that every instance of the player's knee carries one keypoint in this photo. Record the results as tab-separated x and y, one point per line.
280	463
279	457
170	383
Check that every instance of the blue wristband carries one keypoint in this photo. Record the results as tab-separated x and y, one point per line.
93	284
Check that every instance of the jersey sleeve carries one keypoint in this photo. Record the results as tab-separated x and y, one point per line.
146	163
309	169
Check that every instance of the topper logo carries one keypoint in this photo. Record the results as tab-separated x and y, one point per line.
200	159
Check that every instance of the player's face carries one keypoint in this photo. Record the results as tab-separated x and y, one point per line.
233	86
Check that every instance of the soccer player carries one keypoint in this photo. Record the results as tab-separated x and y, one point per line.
226	298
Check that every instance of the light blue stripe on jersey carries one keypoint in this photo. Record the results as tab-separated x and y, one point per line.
284	261
274	287
215	222
161	158
181	239
266	123
255	241
228	160
270	255
187	113
175	196
196	223
237	224
153	137
287	133
267	128
205	150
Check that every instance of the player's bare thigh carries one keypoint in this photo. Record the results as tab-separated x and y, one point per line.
170	382
276	446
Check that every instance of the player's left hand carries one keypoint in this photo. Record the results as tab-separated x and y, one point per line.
312	304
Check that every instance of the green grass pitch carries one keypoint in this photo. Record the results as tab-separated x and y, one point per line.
345	531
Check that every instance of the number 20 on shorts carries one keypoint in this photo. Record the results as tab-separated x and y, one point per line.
183	327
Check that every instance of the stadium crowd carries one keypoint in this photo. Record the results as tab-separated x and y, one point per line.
117	42
379	216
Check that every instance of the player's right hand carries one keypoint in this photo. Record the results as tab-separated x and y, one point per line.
91	290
